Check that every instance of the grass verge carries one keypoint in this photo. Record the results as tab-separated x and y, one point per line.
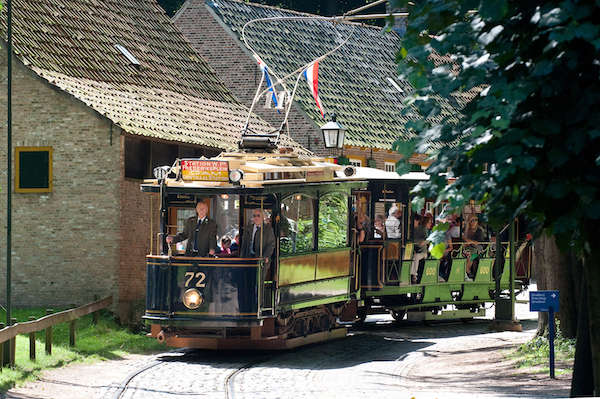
106	340
535	354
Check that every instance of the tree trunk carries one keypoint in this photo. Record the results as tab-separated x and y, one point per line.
555	270
582	383
568	276
591	274
546	262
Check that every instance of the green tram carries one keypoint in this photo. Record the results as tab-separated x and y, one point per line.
292	294
331	259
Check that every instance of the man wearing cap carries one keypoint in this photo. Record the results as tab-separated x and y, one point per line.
392	223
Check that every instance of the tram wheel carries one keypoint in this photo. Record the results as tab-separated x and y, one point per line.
324	323
398	315
300	328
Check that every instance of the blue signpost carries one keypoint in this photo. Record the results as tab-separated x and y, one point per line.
546	301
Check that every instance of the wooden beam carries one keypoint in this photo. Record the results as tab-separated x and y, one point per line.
50	320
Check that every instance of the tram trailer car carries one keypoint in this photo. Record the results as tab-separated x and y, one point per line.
295	297
442	289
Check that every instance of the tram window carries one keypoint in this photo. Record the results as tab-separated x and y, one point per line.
226	214
177	218
361	206
333	221
296	225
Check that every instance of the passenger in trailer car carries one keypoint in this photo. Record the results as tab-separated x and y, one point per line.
200	233
420	240
392	223
252	236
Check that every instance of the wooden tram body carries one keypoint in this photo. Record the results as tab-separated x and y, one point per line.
320	274
243	305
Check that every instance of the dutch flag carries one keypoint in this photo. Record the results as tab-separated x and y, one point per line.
265	70
311	74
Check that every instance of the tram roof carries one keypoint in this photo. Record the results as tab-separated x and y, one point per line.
269	173
261	172
363	173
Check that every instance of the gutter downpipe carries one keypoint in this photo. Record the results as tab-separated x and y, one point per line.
8	180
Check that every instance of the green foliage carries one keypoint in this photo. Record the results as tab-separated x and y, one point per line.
330	7
106	340
333	221
536	352
527	142
304	239
171	6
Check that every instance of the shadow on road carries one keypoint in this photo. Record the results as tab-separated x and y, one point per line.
346	352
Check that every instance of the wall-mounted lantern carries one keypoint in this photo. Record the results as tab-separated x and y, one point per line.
333	133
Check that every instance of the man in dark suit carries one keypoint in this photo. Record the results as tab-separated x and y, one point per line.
254	234
200	231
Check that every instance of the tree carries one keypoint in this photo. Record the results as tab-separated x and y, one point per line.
171	6
528	141
321	7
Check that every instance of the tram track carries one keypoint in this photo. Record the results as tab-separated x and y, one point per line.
227	384
229	380
123	386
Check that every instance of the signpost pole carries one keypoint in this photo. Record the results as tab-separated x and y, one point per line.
546	301
551	339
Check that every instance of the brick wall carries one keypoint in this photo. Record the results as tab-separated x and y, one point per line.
64	243
380	156
136	229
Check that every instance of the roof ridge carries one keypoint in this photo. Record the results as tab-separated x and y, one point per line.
258	5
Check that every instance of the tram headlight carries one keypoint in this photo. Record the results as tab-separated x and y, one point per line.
236	175
349	171
192	299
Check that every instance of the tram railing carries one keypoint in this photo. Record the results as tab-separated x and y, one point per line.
9	334
390	267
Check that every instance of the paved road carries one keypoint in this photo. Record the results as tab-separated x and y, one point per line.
381	359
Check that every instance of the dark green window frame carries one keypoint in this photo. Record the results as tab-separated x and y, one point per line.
34	183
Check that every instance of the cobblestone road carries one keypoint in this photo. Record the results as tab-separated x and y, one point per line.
379	360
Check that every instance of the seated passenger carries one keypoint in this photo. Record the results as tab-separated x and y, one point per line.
379	227
200	233
235	245
253	234
446	260
392	223
225	249
420	245
474	237
362	226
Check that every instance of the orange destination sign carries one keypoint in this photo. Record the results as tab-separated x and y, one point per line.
204	170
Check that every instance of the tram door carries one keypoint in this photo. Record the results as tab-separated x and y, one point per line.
367	254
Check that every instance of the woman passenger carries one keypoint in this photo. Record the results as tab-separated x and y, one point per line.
363	227
474	237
